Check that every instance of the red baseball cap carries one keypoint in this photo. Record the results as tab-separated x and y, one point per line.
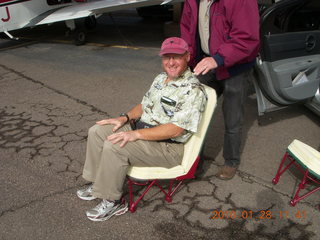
173	45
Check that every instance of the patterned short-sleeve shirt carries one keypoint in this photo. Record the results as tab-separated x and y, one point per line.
180	102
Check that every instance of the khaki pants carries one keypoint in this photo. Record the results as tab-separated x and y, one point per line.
106	164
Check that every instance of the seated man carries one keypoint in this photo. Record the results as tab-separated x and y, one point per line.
168	115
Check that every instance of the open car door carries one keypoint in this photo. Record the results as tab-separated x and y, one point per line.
288	68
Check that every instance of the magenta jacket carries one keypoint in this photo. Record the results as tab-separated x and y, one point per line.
234	34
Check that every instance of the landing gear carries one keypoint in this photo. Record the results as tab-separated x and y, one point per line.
7	34
79	37
79	34
90	22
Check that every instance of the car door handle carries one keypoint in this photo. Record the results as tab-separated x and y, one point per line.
310	42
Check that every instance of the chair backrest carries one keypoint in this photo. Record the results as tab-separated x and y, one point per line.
193	147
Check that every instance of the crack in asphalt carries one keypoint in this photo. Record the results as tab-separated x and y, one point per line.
19	131
93	108
42	199
33	138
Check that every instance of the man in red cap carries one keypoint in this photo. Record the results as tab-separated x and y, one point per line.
165	119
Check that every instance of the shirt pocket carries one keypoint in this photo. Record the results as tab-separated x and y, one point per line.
168	105
168	109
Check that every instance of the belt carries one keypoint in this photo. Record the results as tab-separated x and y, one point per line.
141	125
169	141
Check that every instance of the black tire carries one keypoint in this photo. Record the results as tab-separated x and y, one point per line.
79	37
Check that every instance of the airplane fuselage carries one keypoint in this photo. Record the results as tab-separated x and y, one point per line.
16	14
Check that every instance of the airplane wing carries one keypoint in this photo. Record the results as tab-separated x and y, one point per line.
91	7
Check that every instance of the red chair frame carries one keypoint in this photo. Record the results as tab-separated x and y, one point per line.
149	183
307	177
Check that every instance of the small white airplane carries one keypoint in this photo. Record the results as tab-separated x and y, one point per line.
17	14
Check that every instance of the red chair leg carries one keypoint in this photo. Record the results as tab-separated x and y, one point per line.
167	194
296	197
301	186
175	188
171	191
280	171
132	203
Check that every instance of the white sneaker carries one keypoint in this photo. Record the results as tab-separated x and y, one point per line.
86	193
106	209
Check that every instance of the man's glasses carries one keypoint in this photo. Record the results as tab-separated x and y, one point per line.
173	57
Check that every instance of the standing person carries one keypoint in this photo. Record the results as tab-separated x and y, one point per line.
223	39
168	115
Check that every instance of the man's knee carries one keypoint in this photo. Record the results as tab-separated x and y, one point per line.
100	130
92	130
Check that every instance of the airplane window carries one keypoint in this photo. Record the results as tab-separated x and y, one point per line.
55	2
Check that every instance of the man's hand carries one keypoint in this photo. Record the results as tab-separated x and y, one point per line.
117	122
205	65
123	137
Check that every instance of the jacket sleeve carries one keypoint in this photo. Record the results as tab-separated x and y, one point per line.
185	29
243	39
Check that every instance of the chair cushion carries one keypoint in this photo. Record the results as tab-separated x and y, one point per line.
305	155
156	172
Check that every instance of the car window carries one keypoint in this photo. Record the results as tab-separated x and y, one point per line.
307	18
295	16
264	4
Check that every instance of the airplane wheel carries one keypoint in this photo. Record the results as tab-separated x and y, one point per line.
80	37
90	22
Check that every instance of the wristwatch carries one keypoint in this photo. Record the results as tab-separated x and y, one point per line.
125	115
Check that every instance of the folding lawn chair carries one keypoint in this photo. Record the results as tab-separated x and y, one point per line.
307	161
149	176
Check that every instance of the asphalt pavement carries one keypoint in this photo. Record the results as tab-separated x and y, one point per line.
51	92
